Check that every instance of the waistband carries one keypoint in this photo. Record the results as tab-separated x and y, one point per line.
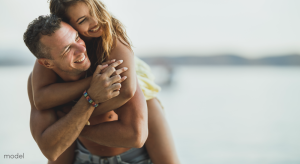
133	155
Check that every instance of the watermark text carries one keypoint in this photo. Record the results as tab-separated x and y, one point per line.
14	156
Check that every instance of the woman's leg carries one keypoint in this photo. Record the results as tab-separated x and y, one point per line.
67	157
160	144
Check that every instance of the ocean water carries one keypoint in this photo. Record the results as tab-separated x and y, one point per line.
227	115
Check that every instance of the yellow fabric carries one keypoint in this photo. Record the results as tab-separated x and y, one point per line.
146	79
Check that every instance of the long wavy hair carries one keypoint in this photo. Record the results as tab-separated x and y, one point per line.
99	48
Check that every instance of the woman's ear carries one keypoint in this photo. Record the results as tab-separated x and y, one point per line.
48	63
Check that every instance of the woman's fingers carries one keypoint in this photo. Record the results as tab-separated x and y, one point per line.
115	79
99	68
115	87
103	67
117	63
122	79
115	93
119	71
111	68
109	62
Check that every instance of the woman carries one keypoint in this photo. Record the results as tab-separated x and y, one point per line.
106	39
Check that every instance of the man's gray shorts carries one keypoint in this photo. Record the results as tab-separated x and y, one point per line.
132	156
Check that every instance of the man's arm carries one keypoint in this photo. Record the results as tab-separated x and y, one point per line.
54	136
130	130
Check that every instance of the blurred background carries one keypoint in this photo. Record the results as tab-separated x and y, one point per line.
229	72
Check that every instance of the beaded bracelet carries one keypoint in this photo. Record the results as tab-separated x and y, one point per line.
87	97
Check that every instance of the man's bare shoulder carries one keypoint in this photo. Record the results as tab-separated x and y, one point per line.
34	111
39	119
29	87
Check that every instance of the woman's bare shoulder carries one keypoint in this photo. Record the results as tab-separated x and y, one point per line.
121	50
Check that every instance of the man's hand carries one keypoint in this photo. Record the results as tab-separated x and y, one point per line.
105	85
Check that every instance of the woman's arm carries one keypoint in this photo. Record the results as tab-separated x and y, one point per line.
48	93
131	128
128	89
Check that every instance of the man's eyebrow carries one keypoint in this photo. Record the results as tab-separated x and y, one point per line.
79	18
76	36
64	50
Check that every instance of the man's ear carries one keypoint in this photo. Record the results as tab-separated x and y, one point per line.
48	63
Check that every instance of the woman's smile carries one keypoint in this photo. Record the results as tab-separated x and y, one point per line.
95	29
81	19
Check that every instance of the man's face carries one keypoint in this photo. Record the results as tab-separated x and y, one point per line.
67	50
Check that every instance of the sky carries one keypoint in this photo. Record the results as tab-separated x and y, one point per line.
250	28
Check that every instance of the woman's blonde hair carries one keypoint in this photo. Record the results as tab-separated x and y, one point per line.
112	27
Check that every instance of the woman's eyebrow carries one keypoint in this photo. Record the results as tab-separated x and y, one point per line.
79	18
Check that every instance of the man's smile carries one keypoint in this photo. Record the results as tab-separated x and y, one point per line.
81	59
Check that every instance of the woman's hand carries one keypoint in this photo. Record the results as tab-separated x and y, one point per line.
105	85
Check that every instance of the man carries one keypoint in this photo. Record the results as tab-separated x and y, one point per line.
50	37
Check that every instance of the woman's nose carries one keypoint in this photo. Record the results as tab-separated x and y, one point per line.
94	22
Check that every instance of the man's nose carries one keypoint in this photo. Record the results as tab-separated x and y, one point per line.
80	48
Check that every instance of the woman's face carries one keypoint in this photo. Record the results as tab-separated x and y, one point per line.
83	22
